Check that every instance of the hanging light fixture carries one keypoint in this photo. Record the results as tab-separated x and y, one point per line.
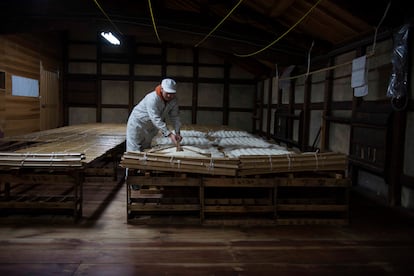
108	35
111	38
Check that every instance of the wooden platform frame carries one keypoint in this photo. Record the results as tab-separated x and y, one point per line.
35	179
257	200
68	197
59	190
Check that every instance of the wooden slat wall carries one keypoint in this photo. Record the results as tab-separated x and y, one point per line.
212	91
21	56
22	113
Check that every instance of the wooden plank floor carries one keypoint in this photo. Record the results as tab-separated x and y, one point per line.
378	240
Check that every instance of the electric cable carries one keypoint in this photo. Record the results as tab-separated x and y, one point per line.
283	35
321	70
107	17
218	25
153	21
309	59
379	24
345	63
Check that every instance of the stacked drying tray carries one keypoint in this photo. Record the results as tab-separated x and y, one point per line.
229	153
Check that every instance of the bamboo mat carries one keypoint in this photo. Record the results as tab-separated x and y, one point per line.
242	166
159	162
296	162
68	132
33	160
70	146
251	159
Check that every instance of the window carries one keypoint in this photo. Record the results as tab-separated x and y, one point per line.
22	86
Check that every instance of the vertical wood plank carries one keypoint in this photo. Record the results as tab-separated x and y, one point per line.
49	100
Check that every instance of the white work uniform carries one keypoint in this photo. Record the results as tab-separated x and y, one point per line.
147	118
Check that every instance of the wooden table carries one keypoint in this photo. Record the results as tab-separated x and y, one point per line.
45	170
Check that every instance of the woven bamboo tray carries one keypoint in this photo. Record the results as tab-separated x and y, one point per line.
70	146
242	166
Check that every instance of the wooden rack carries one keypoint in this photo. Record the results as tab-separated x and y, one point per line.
47	171
284	187
277	199
27	190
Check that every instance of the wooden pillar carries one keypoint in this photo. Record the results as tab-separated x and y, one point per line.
327	102
255	116
132	57
356	102
98	89
64	79
261	103
269	108
291	109
226	94
306	113
396	156
399	123
195	85
279	95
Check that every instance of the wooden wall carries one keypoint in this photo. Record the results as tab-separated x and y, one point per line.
21	55
320	111
103	82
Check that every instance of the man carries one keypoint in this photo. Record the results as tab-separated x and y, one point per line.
149	115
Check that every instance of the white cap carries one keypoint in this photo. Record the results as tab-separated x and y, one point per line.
169	85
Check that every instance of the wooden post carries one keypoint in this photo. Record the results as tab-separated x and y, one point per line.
195	85
327	108
226	94
269	108
306	114
291	109
396	158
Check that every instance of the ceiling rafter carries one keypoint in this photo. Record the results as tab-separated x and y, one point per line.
253	25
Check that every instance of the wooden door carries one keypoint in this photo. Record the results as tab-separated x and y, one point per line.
49	99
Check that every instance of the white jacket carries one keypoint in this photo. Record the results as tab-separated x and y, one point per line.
147	118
